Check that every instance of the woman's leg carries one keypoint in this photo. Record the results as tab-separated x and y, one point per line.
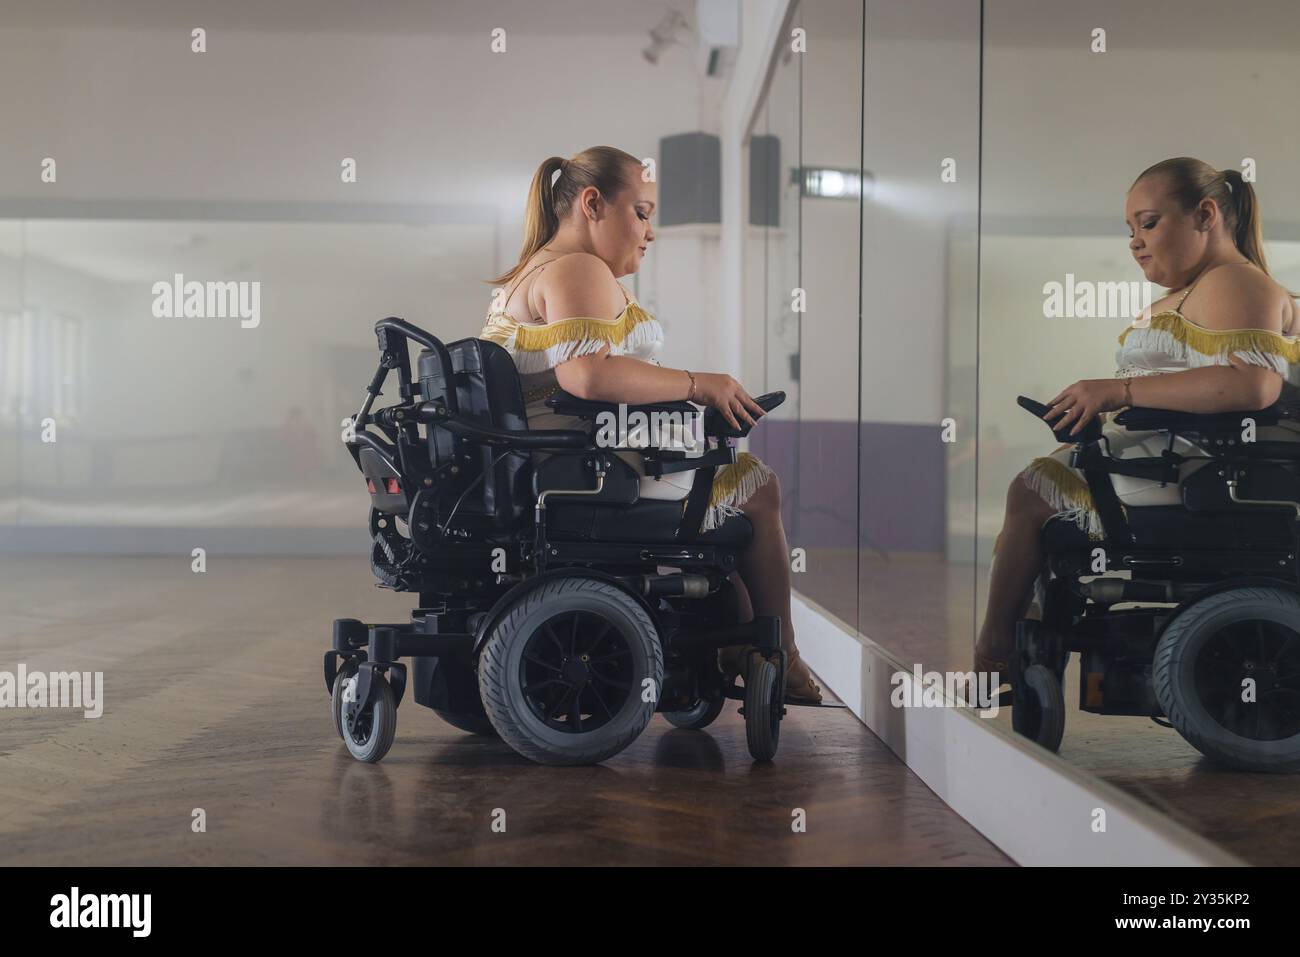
1018	554
744	607
765	569
730	658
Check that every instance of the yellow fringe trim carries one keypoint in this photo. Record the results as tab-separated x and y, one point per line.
733	486
1214	342
538	348
1066	492
501	327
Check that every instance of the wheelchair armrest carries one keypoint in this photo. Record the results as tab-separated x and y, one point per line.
684	413
715	425
520	439
567	404
1154	420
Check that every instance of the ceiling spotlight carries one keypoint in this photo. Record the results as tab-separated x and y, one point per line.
665	34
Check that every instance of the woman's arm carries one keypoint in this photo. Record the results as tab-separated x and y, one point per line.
1231	388
1239	387
581	285
1239	299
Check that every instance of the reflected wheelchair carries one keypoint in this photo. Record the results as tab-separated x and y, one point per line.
1188	614
557	608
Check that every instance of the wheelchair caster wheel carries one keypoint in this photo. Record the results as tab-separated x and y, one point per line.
369	733
764	707
698	716
1038	709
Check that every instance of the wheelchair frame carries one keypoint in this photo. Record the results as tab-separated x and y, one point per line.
1247	501
462	605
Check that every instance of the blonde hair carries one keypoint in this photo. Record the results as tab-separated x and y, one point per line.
603	167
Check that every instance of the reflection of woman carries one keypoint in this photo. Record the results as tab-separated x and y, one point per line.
569	324
1230	348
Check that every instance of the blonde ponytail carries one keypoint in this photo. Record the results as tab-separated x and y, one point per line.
551	197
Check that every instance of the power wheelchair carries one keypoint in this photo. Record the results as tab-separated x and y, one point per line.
1200	627
557	609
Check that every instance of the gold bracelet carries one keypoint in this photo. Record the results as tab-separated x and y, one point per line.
690	395
1128	391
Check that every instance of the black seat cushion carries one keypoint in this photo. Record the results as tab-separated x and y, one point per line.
652	521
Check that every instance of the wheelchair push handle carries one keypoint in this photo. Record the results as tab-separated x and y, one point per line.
392	334
1090	432
393	330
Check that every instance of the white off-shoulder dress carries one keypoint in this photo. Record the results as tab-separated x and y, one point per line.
539	347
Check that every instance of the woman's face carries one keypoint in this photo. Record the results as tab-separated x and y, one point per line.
1166	242
623	234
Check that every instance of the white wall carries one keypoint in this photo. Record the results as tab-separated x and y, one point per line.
163	153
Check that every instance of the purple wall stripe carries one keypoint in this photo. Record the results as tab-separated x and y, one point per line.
903	482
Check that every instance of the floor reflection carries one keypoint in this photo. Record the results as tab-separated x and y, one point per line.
921	609
214	699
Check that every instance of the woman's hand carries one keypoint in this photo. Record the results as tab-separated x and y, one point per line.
722	392
1080	402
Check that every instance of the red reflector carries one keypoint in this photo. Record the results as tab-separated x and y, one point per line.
391	485
370	485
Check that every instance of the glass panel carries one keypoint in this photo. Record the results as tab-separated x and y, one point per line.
1067	130
813	298
14	330
919	294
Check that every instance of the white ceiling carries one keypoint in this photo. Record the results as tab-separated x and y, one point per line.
1161	24
560	17
1153	24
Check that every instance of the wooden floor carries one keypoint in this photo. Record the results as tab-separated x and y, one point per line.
922	610
214	699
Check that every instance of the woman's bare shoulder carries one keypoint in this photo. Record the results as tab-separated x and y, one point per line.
577	284
1240	297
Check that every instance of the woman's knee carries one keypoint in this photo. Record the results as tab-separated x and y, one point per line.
767	498
1023	500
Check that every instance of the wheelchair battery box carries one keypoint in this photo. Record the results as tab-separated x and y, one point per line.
1116	684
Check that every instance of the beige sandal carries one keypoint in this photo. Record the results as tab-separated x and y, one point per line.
799	685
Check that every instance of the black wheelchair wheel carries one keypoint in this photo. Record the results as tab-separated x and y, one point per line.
369	734
698	716
764	707
571	673
1038	707
1227	674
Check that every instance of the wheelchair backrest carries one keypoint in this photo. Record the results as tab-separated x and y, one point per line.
487	387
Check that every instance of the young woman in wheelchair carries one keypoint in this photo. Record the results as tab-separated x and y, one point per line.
570	325
1231	347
